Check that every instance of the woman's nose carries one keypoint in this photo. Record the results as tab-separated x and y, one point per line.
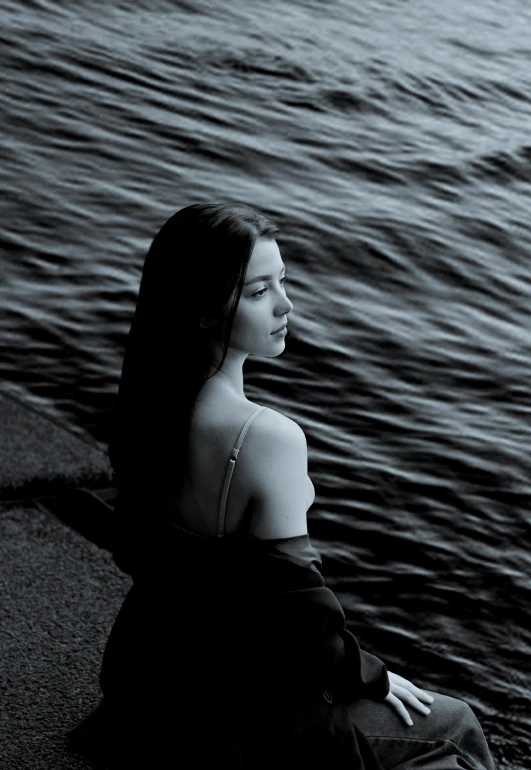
285	305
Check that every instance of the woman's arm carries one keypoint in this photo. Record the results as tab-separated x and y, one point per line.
275	463
276	466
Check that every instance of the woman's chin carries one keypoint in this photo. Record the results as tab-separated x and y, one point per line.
269	353
277	352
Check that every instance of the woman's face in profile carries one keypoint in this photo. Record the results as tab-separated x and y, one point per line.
264	306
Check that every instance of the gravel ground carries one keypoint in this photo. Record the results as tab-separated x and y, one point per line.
59	592
60	595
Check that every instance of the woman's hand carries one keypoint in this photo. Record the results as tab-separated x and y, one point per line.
403	691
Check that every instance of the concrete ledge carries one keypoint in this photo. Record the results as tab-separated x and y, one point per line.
39	456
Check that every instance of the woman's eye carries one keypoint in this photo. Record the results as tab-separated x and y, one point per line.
260	292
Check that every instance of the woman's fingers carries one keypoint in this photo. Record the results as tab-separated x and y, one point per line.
402	692
406	696
422	695
399	707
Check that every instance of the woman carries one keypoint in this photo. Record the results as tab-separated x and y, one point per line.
229	648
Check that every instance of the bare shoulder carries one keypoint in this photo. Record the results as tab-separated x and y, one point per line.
276	435
276	468
275	424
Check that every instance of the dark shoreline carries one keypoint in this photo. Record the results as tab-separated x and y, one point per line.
41	458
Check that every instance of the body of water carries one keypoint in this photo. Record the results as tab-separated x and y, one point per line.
390	142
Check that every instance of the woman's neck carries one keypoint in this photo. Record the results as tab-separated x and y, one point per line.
230	385
230	376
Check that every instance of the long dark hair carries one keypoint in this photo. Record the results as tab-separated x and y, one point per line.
190	287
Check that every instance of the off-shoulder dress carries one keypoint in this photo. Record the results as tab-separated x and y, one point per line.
227	651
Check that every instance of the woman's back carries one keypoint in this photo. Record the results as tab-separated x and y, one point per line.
256	484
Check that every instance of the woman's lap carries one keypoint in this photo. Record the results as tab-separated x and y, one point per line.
449	738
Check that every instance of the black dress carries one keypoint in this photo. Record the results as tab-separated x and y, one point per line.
231	652
226	651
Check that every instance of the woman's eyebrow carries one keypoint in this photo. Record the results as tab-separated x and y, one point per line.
261	278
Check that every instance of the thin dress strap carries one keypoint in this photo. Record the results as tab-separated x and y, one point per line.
230	470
